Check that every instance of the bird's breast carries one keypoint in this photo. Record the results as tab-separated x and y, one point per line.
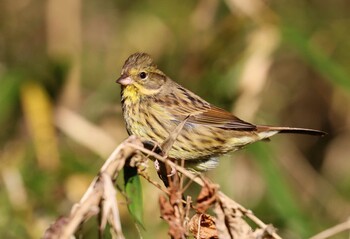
145	118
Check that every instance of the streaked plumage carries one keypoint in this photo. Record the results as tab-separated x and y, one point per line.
153	105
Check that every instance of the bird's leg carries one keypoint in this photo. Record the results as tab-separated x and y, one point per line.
159	166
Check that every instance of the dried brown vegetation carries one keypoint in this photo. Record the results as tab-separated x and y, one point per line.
184	218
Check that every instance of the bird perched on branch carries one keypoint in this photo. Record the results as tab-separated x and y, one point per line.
154	105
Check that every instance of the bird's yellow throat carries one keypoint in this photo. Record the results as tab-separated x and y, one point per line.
131	93
135	91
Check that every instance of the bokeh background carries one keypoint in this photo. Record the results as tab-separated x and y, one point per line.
269	62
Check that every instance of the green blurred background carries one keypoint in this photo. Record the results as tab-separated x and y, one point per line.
269	62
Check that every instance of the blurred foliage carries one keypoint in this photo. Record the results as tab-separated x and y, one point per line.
74	50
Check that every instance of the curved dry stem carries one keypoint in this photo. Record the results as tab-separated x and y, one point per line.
222	197
101	197
333	230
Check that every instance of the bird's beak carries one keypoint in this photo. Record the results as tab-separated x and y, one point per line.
125	80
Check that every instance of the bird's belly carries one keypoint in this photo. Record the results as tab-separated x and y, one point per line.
200	142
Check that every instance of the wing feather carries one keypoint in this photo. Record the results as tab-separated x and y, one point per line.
217	117
182	103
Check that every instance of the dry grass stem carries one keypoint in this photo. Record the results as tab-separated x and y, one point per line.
100	197
333	230
229	203
154	183
78	128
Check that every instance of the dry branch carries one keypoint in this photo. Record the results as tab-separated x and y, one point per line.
221	196
100	197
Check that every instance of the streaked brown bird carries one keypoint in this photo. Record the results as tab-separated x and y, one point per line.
153	105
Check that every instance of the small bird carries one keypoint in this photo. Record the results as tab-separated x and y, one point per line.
154	105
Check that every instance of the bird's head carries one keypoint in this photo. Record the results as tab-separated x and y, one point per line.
141	76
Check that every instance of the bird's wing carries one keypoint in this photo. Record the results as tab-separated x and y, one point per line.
209	115
199	111
220	118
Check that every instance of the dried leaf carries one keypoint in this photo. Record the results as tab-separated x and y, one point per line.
54	231
168	213
206	197
203	226
166	210
230	223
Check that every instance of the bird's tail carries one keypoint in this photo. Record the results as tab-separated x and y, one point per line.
267	131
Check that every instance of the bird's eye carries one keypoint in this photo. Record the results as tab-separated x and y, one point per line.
143	75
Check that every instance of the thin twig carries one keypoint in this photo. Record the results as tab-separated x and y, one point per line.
157	185
333	230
